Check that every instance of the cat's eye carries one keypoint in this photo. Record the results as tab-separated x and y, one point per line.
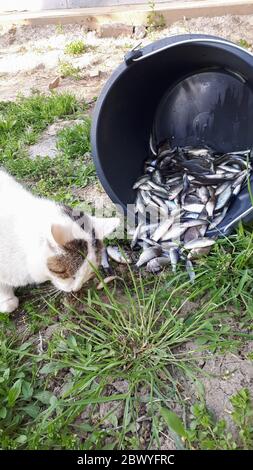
57	271
55	266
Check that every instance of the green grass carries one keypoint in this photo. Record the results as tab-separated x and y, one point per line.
207	433
66	69
138	337
21	124
244	43
63	395
75	48
155	20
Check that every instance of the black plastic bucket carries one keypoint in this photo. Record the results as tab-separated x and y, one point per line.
194	89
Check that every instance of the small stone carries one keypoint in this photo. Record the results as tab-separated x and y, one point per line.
114	30
54	84
94	73
140	32
122	386
38	67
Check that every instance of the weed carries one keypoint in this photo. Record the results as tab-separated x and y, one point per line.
75	48
244	43
59	29
155	20
66	69
242	415
74	141
206	433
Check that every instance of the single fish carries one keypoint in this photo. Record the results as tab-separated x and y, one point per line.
223	198
104	260
198	252
174	258
175	192
192	222
157	187
193	199
174	232
191	234
190	270
157	264
151	146
136	235
107	280
203	194
157	177
194	207
218	219
141	181
115	254
202	230
162	229
148	254
221	188
210	206
199	243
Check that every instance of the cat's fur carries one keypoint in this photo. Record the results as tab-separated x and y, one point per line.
41	240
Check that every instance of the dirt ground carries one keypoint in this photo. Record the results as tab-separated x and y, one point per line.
29	59
30	56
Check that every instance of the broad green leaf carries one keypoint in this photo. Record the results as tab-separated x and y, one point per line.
49	368
3	412
14	392
44	397
32	410
173	422
21	439
27	390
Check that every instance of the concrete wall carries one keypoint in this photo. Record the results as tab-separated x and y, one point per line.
37	5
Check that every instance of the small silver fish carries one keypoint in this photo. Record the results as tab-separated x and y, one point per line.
202	230
157	187
199	243
115	254
162	229
148	254
104	259
221	188
191	234
174	257
218	219
135	235
194	207
210	206
107	280
223	198
190	270
141	181
157	264
174	232
174	193
198	252
203	194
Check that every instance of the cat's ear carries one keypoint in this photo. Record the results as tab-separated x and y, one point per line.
61	234
104	226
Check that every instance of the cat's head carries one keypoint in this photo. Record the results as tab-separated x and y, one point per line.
75	249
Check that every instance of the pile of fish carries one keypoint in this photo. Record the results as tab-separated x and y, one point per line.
183	193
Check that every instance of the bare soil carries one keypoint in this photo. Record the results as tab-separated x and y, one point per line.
30	56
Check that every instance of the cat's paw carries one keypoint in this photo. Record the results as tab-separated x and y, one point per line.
8	306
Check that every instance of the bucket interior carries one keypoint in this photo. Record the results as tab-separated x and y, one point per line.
195	94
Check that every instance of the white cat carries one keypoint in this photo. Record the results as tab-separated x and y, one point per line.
41	240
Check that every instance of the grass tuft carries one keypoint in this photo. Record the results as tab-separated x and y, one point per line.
75	48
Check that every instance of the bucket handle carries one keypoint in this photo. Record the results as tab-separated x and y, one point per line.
136	55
